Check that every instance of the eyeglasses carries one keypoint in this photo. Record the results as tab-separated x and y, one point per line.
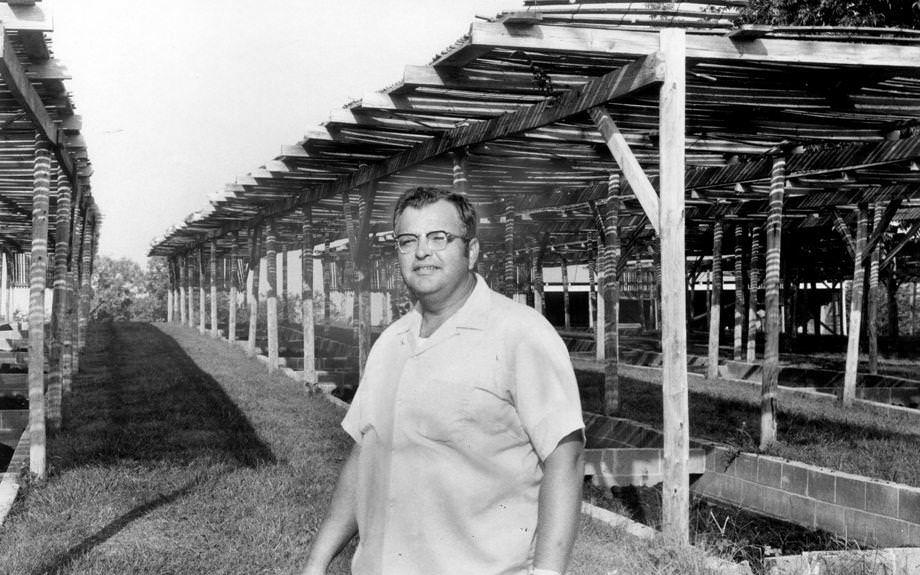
436	241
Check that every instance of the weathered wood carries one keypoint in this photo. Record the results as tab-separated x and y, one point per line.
283	294
566	307
37	275
611	291
461	183
509	279
537	274
753	297
255	256
774	233
189	261
626	160
306	299
640	42
271	295
76	283
59	371
715	301
848	393
183	287
913	308
873	292
202	292
86	277
879	227
232	301
592	293
908	237
170	301
841	228
213	273
738	332
672	127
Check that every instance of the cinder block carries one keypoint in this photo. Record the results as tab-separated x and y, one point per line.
802	510
794	479
776	502
861	526
709	484
891	532
769	472
831	518
732	489
851	493
821	486
752	496
909	504
745	467
882	499
914	535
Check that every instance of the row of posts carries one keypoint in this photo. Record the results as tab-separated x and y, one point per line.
76	241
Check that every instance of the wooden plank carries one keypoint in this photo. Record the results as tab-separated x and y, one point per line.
37	275
619	149
879	227
843	230
672	127
774	233
637	466
715	302
485	36
848	392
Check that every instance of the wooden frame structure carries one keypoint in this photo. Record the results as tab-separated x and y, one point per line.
532	114
47	212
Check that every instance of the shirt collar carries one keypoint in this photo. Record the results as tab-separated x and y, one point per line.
473	314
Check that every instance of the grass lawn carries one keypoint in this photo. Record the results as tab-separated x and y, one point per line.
863	440
179	455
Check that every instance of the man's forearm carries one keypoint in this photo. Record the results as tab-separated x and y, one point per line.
340	523
560	504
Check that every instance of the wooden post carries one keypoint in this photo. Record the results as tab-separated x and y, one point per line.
510	277
600	326
306	299
774	231
611	289
738	341
202	292
873	295
461	184
565	292
213	273
169	291
40	190
538	296
848	394
284	284
672	121
592	293
232	303
86	277
271	296
753	287
715	302
359	269
191	289
254	257
913	307
76	272
183	287
59	302
325	261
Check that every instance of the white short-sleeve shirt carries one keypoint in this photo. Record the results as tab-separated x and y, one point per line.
453	430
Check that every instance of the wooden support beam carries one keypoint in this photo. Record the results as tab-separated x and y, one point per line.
509	277
715	301
843	230
626	160
37	274
213	273
170	300
283	295
753	295
879	227
202	292
255	256
232	303
59	369
183	288
537	274
738	332
566	304
271	296
848	393
461	183
484	36
672	128
873	293
611	296
774	233
306	299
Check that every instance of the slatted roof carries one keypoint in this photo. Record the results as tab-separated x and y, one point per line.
33	100
511	98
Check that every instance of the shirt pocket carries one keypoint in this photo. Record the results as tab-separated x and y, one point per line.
438	413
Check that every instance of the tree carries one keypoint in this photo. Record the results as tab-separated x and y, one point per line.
872	13
122	291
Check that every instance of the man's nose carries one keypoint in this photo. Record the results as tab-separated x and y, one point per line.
422	250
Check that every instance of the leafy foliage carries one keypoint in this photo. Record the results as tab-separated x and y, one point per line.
124	291
872	13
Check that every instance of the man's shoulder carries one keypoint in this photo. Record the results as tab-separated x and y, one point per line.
508	314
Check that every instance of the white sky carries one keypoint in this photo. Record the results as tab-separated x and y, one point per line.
179	98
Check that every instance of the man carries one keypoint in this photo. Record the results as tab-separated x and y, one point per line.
467	423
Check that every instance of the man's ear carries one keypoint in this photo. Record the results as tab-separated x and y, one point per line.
472	249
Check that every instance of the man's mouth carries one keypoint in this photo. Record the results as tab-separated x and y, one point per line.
425	268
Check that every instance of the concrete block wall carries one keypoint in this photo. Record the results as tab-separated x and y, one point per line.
14	418
870	511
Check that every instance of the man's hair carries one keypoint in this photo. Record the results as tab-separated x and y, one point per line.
425	196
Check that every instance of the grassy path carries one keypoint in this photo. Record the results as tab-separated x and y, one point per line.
180	455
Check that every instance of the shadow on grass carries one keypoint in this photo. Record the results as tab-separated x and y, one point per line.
61	563
139	397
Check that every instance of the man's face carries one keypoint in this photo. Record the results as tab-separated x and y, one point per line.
444	273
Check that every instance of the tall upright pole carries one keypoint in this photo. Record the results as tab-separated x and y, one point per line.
774	233
738	341
183	288
213	273
848	393
232	304
753	286
306	298
254	257
41	172
610	285
271	296
59	371
715	302
672	121
202	290
873	295
190	263
566	307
